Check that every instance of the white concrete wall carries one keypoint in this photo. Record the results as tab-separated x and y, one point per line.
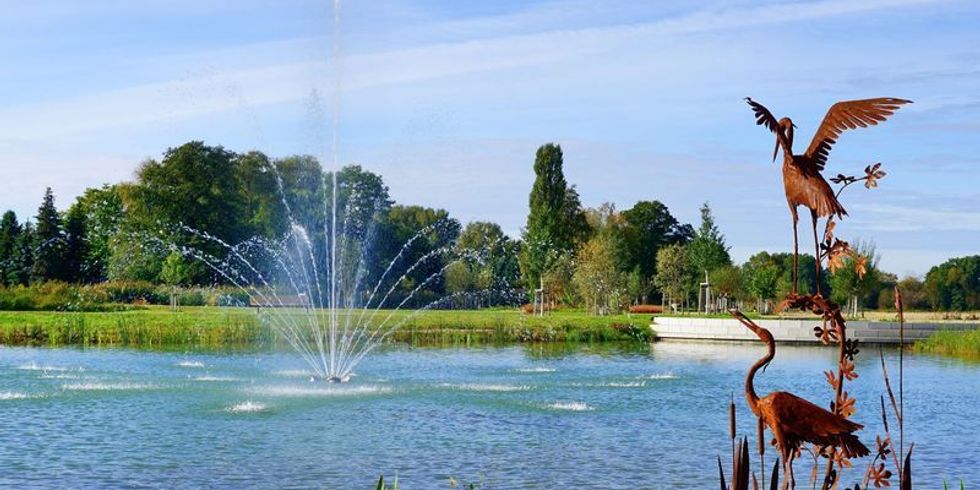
665	327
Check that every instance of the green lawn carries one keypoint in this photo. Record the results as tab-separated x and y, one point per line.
213	327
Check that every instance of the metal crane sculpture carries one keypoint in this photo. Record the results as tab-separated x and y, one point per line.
794	420
802	181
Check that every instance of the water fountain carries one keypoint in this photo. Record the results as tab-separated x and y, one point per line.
309	283
317	302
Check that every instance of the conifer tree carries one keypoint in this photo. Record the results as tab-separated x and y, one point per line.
708	251
49	242
10	232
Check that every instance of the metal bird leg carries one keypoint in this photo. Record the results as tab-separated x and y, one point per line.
796	249
816	253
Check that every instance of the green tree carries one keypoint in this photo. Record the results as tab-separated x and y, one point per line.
807	275
707	250
10	231
848	286
675	275
597	277
488	266
49	242
174	270
914	295
76	250
194	188
102	212
954	284
557	279
22	258
555	222
362	198
729	282
131	259
647	227
261	195
762	274
423	236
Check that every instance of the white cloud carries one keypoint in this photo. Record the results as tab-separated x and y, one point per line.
227	90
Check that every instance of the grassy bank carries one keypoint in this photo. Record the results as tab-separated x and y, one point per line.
952	343
216	327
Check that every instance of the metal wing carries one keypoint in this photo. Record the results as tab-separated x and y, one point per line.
850	114
762	115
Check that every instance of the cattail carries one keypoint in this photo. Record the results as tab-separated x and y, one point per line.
762	437
731	418
762	450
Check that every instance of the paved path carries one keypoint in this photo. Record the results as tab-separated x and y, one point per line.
665	327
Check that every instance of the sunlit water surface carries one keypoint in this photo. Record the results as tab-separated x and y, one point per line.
512	417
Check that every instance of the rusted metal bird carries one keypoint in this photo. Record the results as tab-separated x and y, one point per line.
794	420
802	181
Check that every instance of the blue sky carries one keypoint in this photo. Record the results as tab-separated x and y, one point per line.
448	100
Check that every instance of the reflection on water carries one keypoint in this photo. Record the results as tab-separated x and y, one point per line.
552	416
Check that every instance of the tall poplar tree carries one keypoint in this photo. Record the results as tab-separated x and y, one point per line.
555	222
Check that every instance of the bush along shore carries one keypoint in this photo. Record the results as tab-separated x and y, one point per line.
152	326
952	343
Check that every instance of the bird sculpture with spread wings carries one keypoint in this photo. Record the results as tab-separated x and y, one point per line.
802	181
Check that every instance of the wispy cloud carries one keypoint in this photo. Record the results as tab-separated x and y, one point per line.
195	96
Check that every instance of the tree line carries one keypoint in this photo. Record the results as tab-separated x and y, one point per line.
199	200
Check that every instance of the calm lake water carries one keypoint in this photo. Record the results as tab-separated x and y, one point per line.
512	417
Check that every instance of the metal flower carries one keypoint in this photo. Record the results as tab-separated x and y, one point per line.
872	173
848	370
861	266
851	349
879	476
831	379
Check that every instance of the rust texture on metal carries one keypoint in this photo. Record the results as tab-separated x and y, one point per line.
802	180
798	425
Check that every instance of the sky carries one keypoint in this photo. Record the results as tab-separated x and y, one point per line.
449	100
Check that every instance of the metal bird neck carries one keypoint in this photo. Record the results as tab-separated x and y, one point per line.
750	396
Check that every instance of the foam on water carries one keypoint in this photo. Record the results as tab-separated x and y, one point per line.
103	386
15	395
214	378
190	364
667	375
486	387
33	366
59	376
626	384
247	407
571	406
318	391
536	370
294	373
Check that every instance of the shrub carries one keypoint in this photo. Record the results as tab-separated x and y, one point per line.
650	309
132	292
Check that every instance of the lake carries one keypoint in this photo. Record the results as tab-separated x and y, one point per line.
539	416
